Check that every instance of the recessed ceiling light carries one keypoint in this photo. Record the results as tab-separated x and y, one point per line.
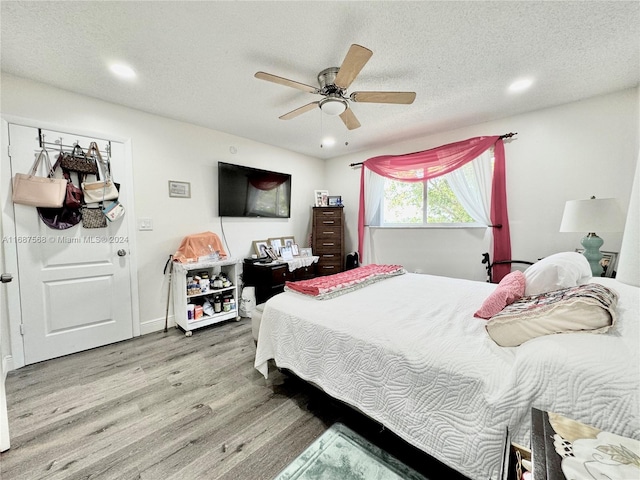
520	85
122	71
328	142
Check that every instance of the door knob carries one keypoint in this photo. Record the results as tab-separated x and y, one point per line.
122	252
6	277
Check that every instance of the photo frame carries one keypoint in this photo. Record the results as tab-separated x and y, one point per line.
306	252
334	200
286	253
321	198
259	246
275	244
179	189
609	262
288	241
271	253
295	250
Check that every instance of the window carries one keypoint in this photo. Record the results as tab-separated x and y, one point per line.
422	203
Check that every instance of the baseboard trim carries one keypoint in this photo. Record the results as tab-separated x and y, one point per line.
7	366
155	325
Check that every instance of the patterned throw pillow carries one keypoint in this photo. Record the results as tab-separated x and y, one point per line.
585	308
510	289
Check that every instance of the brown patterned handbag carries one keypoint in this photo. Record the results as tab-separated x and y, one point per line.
77	161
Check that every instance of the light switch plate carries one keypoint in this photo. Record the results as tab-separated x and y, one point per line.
145	224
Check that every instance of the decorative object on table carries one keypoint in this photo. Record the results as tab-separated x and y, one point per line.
179	189
77	161
33	190
276	244
295	250
260	247
306	252
589	216
342	453
321	198
608	262
334	201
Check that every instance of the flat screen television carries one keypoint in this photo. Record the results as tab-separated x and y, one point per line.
251	192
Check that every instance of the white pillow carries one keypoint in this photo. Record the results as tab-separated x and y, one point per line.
561	270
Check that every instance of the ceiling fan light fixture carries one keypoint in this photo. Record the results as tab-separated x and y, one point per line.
333	106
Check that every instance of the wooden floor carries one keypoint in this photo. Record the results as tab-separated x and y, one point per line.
165	406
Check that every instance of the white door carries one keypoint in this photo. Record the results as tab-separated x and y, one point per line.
75	290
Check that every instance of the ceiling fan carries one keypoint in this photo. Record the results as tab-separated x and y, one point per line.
334	82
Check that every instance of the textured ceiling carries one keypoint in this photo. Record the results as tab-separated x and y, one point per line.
196	60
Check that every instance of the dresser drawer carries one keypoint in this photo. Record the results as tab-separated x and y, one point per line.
279	275
324	245
327	216
329	266
328	233
305	273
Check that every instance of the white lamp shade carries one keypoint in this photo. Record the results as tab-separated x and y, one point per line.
333	106
592	215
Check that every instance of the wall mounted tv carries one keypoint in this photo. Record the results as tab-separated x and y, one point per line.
251	192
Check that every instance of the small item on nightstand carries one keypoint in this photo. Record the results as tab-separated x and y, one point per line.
204	282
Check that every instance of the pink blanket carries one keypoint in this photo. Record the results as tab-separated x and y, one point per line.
330	286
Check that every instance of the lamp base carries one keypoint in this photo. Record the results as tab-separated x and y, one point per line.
592	244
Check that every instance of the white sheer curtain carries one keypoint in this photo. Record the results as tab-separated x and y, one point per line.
471	184
374	190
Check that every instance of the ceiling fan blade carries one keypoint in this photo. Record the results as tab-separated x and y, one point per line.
384	97
349	119
356	58
299	111
286	82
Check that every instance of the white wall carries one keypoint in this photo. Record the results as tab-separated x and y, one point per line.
568	152
162	150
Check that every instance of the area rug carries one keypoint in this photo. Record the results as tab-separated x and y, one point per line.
342	454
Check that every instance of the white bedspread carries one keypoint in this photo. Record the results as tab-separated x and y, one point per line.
408	353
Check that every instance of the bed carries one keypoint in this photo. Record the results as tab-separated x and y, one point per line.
408	352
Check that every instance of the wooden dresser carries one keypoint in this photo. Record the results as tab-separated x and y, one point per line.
328	239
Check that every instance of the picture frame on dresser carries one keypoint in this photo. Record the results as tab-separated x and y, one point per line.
259	246
321	198
608	262
288	241
276	244
295	250
306	252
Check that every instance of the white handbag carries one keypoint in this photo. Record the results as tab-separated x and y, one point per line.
100	190
30	189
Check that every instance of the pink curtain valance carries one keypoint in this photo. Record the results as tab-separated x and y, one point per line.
427	164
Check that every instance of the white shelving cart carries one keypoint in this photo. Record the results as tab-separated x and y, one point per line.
182	298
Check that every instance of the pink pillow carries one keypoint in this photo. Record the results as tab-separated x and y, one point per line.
510	289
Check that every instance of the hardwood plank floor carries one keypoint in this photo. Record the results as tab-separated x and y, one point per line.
165	406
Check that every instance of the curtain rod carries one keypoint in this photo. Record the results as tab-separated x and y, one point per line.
506	135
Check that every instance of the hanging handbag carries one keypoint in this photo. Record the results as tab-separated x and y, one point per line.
100	190
113	211
69	214
93	218
30	189
77	161
74	197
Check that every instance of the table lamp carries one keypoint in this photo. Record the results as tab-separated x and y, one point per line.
601	214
